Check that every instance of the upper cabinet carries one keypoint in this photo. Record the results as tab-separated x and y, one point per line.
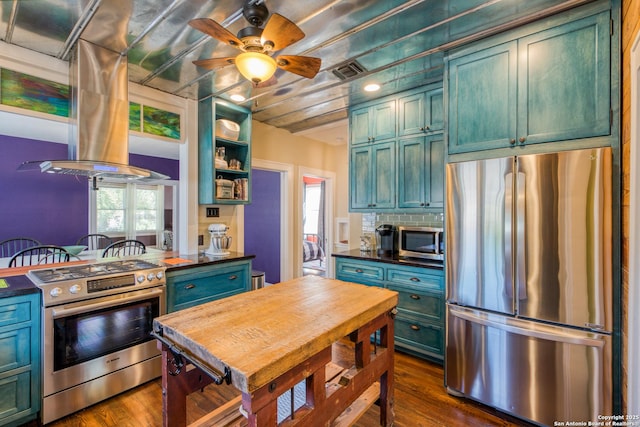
552	83
373	123
399	171
224	153
421	112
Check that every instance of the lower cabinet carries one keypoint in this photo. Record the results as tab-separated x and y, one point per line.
200	284
419	324
19	359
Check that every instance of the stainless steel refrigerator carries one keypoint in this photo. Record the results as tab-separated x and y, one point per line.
529	284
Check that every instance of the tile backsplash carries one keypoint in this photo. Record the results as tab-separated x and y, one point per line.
371	220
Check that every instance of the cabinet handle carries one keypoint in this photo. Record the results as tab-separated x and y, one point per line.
426	204
233	277
190	286
414	279
512	141
522	139
359	270
415	327
421	204
414	296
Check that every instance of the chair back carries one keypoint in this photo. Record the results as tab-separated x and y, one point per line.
43	254
93	242
124	248
10	247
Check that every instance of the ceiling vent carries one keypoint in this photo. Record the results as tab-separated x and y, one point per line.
348	70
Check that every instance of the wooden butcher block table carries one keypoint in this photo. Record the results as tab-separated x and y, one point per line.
266	341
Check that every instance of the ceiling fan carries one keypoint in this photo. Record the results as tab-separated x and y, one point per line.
258	44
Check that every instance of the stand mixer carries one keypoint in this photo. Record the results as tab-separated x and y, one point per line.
220	242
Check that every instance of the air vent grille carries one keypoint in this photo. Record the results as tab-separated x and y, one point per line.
348	70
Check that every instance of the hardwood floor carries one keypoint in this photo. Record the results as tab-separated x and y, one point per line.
420	401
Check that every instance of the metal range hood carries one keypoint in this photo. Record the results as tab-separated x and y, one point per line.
99	119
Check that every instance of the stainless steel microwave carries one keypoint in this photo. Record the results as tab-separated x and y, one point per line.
421	242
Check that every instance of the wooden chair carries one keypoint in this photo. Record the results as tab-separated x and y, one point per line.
124	248
93	242
43	254
10	247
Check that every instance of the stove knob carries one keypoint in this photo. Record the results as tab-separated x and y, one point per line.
141	278
55	292
74	289
151	276
159	275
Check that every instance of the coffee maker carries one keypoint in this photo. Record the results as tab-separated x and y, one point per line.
387	239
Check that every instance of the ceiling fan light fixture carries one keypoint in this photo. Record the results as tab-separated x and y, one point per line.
256	67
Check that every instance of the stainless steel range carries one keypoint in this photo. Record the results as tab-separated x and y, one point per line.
97	321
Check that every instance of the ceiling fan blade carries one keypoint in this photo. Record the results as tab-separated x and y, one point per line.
215	30
213	63
305	66
280	32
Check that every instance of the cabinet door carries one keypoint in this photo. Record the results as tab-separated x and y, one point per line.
384	120
360	177
360	127
412	173
435	180
564	82
411	114
434	110
383	175
421	172
482	99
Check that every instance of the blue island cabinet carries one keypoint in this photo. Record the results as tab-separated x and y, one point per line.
419	324
542	83
200	284
19	359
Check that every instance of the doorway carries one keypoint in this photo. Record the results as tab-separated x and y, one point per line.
314	262
315	219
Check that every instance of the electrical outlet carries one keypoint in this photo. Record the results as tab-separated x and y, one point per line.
200	240
213	212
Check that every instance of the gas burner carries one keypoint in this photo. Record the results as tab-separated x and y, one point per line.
90	270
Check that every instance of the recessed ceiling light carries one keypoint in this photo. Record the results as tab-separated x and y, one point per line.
238	98
372	87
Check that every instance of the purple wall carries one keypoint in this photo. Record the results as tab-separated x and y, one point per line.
262	224
50	208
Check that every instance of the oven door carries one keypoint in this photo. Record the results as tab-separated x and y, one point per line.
88	339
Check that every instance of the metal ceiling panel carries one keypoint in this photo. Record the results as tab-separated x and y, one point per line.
398	43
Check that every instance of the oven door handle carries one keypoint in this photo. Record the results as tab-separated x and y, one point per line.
58	312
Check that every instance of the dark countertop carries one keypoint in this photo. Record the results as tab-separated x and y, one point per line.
12	286
389	259
178	262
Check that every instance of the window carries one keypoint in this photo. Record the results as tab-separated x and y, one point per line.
129	211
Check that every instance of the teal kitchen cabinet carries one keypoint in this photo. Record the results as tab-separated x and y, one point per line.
419	324
373	123
548	84
421	172
19	359
421	112
372	176
211	142
198	285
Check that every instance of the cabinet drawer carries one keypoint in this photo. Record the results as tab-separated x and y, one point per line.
360	272
14	310
424	303
428	279
196	289
15	347
15	391
420	336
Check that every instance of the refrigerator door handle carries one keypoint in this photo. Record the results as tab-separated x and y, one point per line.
548	333
521	235
508	238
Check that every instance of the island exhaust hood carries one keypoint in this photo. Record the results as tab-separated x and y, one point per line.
99	119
